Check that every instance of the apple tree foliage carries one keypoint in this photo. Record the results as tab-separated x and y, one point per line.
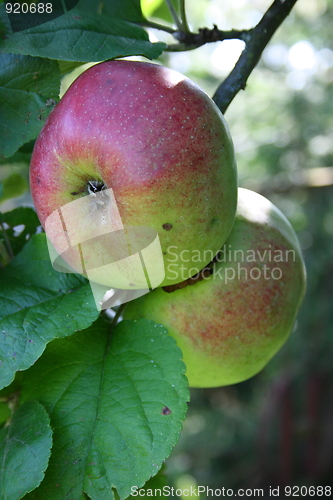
88	406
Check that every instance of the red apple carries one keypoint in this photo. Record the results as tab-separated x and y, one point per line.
161	147
230	324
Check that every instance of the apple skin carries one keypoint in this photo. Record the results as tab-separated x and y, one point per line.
157	140
228	329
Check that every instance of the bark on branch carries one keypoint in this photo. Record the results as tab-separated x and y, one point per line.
255	40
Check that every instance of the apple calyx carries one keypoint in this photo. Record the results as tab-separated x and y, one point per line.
92	187
95	187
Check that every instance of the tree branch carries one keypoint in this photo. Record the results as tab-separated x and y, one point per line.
158	26
174	14
193	40
256	40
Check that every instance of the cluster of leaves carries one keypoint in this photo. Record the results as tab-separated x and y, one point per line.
114	396
88	407
32	61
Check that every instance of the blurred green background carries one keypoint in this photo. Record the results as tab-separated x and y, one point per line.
276	428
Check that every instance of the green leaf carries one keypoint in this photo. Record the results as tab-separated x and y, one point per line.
12	391
20	225
24	451
68	66
5	412
5	256
12	186
81	36
152	488
150	6
37	305
116	401
28	89
162	11
21	157
128	10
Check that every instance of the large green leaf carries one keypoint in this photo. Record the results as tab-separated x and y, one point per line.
128	10
28	89
116	400
38	304
156	487
24	451
82	36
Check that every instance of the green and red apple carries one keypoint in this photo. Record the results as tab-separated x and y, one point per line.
230	324
158	142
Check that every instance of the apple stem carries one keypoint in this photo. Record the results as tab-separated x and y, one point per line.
117	316
158	26
174	14
183	17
